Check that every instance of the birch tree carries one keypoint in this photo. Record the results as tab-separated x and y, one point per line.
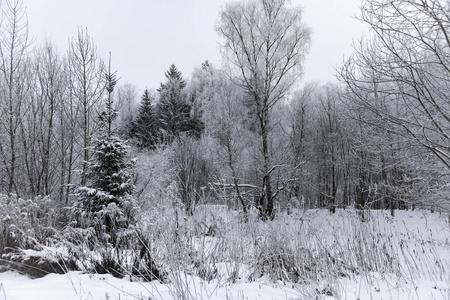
86	86
229	116
265	43
40	126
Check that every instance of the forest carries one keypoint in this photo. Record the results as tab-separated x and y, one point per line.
100	178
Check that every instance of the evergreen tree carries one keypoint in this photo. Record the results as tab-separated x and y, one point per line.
173	108
106	199
110	179
109	115
146	127
108	205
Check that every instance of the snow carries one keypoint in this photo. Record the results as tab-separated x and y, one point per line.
76	286
422	231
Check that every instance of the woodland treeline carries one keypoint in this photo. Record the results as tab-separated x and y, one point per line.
248	134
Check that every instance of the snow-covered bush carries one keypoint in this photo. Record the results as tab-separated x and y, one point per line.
27	233
131	255
153	176
26	223
103	236
109	241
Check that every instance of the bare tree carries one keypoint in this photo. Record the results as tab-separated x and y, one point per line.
127	103
329	136
39	125
86	86
14	42
220	105
401	73
265	45
299	116
229	118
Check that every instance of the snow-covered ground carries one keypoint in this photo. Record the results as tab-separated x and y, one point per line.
77	286
421	238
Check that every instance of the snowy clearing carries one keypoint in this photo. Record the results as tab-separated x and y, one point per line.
419	243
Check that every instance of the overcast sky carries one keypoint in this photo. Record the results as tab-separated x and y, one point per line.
146	36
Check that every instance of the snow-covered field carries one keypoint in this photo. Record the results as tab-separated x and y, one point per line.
77	286
410	253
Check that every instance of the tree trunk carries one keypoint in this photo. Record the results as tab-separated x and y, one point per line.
266	196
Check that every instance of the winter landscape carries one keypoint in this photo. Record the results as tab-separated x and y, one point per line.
305	255
234	181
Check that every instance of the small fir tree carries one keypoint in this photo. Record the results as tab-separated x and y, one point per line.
106	199
109	174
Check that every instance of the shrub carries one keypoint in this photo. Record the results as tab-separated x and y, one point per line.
27	230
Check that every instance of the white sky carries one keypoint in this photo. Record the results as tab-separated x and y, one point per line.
146	36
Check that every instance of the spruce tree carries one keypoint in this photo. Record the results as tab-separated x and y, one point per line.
146	124
107	196
107	204
173	108
110	113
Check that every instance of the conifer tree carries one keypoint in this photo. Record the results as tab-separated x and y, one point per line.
107	196
173	108
108	201
109	115
146	125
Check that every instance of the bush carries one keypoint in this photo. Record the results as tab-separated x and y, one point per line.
26	223
130	255
36	263
27	230
193	171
